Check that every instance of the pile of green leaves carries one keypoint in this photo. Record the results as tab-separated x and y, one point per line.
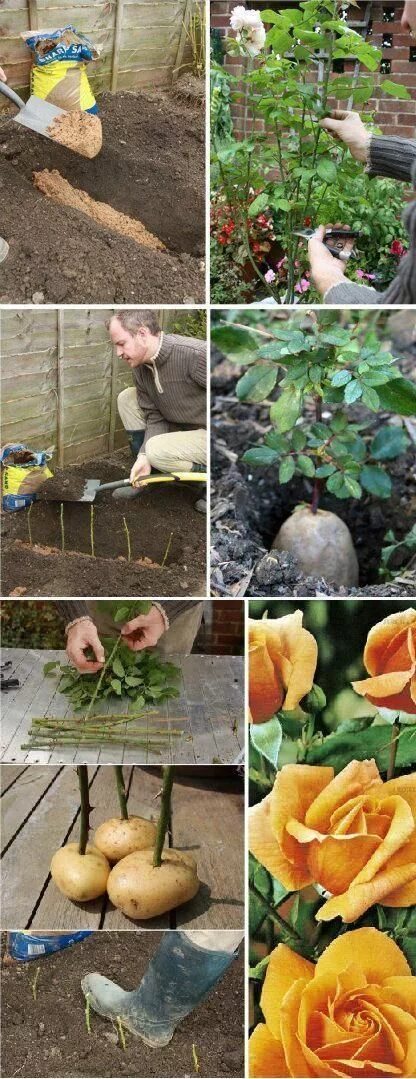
142	677
333	365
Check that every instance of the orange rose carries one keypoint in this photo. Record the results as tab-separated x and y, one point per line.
389	656
351	833
282	664
353	1014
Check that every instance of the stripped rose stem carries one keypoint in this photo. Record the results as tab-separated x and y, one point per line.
167	550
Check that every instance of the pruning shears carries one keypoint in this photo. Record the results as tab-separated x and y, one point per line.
338	236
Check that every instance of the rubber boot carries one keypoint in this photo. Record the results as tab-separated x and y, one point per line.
179	976
201	503
124	494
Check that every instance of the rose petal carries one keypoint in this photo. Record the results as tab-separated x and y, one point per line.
266	1056
286	637
296	1060
401	829
388	691
335	862
264	845
359	897
381	635
405	894
296	787
377	955
265	691
354	780
284	968
406	787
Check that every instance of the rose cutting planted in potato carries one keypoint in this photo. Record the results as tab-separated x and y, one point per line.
351	833
390	659
353	1014
282	663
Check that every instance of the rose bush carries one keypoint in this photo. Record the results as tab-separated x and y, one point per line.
389	657
282	664
353	1014
351	833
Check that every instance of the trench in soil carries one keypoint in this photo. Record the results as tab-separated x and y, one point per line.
48	1036
163	527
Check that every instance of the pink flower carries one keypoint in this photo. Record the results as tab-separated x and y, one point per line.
270	277
281	263
302	285
367	276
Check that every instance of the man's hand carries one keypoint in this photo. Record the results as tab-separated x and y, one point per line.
140	468
348	128
82	635
3	76
326	270
143	631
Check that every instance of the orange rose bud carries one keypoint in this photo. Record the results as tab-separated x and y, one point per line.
354	1013
351	833
282	663
389	657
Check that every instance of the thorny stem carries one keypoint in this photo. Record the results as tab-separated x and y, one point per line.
28	524
121	791
164	815
34	983
317	487
84	793
92	529
289	930
167	550
395	731
61	518
100	680
126	529
87	1013
121	1033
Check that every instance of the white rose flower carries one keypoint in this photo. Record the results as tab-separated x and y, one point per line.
255	41
250	30
238	17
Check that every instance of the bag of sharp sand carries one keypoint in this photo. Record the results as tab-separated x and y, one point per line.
60	57
23	472
24	946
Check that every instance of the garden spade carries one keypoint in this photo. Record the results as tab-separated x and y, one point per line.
36	113
93	487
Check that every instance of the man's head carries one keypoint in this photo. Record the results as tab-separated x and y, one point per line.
409	16
135	335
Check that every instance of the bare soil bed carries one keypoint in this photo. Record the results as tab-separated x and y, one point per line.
248	507
41	568
47	1037
151	167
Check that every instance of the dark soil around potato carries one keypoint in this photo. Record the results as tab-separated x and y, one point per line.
47	1037
151	167
162	522
248	507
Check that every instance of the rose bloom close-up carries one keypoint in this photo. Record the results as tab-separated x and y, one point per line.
350	833
353	1014
282	662
389	657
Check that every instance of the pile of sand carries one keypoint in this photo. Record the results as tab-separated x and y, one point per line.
79	131
52	184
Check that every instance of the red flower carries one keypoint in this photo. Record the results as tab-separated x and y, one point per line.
308	221
397	249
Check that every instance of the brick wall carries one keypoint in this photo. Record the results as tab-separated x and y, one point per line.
392	115
222	630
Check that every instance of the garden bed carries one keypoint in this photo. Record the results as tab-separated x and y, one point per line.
48	1036
151	168
249	506
161	519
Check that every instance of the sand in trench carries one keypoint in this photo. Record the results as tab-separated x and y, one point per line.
54	186
79	131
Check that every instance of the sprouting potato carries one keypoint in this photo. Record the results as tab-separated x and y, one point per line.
80	876
142	890
117	838
322	545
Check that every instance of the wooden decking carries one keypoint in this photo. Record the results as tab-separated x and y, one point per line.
40	812
211	702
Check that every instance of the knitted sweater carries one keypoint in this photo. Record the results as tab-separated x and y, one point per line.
395	158
171	390
71	609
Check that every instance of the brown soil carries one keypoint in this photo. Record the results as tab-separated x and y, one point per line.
47	1037
42	569
151	168
59	190
79	131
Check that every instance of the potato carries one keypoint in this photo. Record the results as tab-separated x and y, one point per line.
117	838
141	890
80	876
322	545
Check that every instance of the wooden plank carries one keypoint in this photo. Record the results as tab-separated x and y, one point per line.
18	707
33	14
21	800
32	854
209	822
8	775
182	39
60	388
113	404
116	44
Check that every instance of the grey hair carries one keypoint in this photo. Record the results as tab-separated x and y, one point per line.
133	320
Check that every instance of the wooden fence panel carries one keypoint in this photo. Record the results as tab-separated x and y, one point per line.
139	40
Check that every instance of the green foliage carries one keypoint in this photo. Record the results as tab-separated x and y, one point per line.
314	363
140	676
226	282
309	163
32	624
188	323
396	554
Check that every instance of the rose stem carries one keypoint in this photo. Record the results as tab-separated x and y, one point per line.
395	731
272	913
126	529
164	815
121	791
62	527
82	772
98	686
317	487
167	550
28	524
92	529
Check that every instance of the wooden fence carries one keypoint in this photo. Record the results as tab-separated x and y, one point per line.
59	381
143	43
